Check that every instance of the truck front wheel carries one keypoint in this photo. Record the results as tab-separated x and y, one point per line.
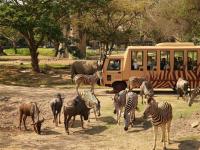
119	86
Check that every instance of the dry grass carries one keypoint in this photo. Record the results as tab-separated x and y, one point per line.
101	134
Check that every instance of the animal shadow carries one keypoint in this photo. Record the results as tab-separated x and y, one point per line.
48	131
108	120
189	145
95	130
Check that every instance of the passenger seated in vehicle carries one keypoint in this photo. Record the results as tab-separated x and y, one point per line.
135	65
163	64
151	64
189	64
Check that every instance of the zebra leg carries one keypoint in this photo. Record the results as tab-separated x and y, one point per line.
119	116
92	88
77	86
155	136
168	130
95	113
163	136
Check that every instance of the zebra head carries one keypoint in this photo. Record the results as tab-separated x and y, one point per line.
150	108
126	120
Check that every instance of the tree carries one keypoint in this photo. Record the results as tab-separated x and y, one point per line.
79	11
164	18
115	23
33	19
12	35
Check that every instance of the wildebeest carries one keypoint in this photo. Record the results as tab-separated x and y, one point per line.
146	89
76	107
119	103
56	106
83	67
30	109
182	87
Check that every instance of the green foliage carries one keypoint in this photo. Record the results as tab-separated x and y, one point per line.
26	52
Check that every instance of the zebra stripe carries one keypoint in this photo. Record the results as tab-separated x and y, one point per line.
162	114
194	94
131	105
135	82
161	117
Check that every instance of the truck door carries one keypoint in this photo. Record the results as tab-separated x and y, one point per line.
113	72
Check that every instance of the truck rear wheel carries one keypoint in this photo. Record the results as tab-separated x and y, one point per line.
119	86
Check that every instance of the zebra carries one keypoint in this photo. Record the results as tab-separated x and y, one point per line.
193	95
182	88
119	102
146	89
135	82
130	107
161	117
87	80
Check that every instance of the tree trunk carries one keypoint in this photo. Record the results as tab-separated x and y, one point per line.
14	46
56	47
34	59
82	43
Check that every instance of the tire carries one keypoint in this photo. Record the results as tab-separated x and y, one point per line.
119	86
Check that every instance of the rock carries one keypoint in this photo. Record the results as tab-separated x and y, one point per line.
51	72
195	124
42	86
4	98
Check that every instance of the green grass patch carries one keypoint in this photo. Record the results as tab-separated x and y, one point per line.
26	52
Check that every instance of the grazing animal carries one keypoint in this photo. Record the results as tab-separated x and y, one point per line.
37	126
193	95
182	87
161	117
146	89
77	107
87	80
135	82
29	109
119	103
56	106
130	107
92	101
83	67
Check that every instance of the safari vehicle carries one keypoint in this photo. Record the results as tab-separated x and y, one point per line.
162	64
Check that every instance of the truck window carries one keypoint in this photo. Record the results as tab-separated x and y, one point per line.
136	60
164	60
192	60
178	60
114	64
151	60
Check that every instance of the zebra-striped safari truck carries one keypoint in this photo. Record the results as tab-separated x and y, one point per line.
162	64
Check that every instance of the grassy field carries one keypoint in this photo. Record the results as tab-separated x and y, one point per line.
26	52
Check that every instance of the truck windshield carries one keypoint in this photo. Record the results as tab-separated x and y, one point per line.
114	64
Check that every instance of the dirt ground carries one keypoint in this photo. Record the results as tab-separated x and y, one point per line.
102	134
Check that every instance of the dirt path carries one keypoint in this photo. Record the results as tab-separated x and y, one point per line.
103	134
